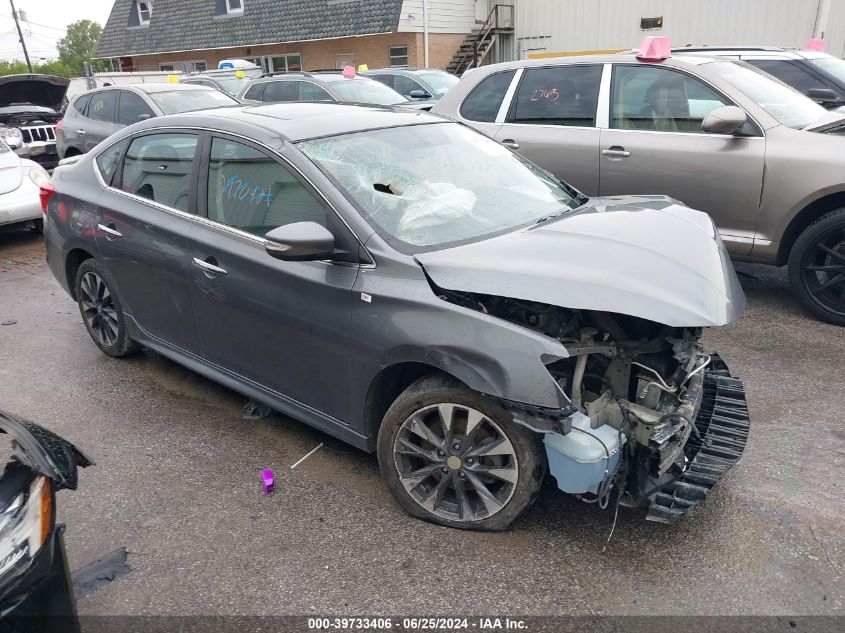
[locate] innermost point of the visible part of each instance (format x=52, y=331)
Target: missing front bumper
x=722, y=423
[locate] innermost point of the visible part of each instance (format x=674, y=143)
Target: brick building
x=285, y=34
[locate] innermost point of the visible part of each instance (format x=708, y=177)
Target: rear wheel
x=454, y=457
x=101, y=309
x=817, y=267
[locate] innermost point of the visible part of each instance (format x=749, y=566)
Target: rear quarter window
x=108, y=161
x=483, y=103
x=80, y=103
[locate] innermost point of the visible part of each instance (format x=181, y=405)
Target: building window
x=166, y=67
x=234, y=6
x=291, y=62
x=145, y=11
x=398, y=56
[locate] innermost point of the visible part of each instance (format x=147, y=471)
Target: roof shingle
x=183, y=25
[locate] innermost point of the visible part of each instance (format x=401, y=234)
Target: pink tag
x=349, y=71
x=817, y=44
x=655, y=48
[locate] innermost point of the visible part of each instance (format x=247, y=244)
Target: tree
x=79, y=44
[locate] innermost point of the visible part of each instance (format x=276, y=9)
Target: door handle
x=509, y=142
x=82, y=132
x=207, y=267
x=110, y=230
x=616, y=152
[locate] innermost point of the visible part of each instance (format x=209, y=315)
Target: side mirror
x=300, y=241
x=419, y=94
x=143, y=117
x=724, y=120
x=822, y=95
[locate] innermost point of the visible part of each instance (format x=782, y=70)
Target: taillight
x=59, y=125
x=45, y=192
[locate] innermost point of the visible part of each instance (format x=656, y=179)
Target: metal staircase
x=478, y=44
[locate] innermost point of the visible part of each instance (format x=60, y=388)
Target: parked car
x=20, y=179
x=763, y=160
x=320, y=86
x=818, y=75
x=427, y=84
x=36, y=592
x=229, y=83
x=411, y=287
x=95, y=115
x=30, y=105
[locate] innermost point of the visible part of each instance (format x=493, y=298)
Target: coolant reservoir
x=580, y=459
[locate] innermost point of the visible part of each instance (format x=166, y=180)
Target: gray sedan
x=763, y=160
x=413, y=288
x=93, y=116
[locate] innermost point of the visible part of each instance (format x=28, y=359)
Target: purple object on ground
x=267, y=476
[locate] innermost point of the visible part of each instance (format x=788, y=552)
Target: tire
x=817, y=267
x=37, y=226
x=436, y=474
x=101, y=309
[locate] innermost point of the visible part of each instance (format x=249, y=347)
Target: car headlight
x=39, y=177
x=12, y=133
x=25, y=524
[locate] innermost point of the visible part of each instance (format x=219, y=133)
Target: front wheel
x=817, y=267
x=101, y=309
x=454, y=457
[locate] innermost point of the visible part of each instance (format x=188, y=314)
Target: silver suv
x=765, y=161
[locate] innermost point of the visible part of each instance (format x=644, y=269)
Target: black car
x=416, y=289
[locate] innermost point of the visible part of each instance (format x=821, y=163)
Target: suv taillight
x=45, y=192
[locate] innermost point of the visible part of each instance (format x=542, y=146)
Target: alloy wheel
x=455, y=462
x=98, y=309
x=823, y=270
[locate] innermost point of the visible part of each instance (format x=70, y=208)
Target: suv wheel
x=817, y=267
x=101, y=309
x=454, y=457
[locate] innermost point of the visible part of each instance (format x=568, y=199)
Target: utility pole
x=20, y=34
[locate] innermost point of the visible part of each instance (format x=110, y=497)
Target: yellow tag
x=362, y=68
x=240, y=74
x=172, y=79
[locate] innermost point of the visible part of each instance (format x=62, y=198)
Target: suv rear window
x=484, y=101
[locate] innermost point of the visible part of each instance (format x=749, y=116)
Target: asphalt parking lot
x=177, y=482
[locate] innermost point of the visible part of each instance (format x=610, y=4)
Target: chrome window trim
x=707, y=83
x=502, y=114
x=211, y=223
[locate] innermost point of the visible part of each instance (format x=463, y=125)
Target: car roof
x=153, y=87
x=685, y=60
x=298, y=121
x=755, y=51
x=318, y=77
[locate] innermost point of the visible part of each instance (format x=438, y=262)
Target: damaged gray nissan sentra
x=414, y=288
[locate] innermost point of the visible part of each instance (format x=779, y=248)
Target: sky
x=46, y=24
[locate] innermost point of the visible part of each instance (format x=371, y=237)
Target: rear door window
x=159, y=167
x=559, y=95
x=280, y=91
x=131, y=107
x=102, y=106
x=109, y=159
x=255, y=92
x=404, y=85
x=387, y=80
x=81, y=103
x=483, y=103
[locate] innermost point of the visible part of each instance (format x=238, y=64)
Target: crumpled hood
x=645, y=256
x=11, y=174
x=41, y=90
x=45, y=452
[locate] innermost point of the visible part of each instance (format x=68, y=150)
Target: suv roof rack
x=286, y=72
x=704, y=49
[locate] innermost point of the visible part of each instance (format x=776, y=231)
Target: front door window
x=658, y=99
